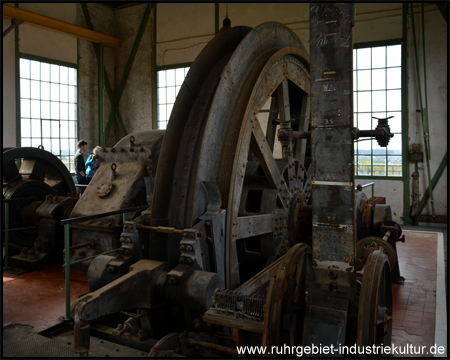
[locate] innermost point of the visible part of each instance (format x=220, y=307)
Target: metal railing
x=67, y=263
x=360, y=187
x=7, y=229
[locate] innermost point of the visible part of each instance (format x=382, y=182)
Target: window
x=169, y=83
x=48, y=108
x=377, y=80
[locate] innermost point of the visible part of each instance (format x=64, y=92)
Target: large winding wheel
x=41, y=173
x=217, y=133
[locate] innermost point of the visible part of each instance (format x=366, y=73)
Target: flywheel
x=223, y=130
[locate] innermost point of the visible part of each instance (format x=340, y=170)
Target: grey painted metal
x=333, y=204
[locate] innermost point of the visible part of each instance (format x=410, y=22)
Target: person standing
x=90, y=167
x=80, y=167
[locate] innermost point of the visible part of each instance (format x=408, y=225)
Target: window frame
x=157, y=87
x=49, y=61
x=403, y=112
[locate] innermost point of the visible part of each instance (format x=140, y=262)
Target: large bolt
x=181, y=260
x=333, y=286
x=189, y=261
x=189, y=248
x=333, y=275
x=182, y=247
x=172, y=281
x=110, y=270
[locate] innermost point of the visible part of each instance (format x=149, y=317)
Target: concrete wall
x=136, y=103
x=102, y=19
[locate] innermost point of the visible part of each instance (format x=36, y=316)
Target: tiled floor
x=414, y=304
x=38, y=298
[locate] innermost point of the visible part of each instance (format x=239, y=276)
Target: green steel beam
x=154, y=72
x=216, y=8
x=14, y=24
x=434, y=181
x=17, y=85
x=423, y=111
x=405, y=120
x=101, y=95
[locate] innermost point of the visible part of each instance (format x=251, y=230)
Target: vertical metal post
x=6, y=264
x=333, y=177
x=125, y=217
x=101, y=95
x=67, y=270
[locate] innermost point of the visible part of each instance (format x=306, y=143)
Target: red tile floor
x=414, y=303
x=38, y=298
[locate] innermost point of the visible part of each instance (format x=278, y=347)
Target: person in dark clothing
x=80, y=167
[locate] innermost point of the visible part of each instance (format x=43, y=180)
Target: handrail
x=67, y=263
x=96, y=216
x=366, y=185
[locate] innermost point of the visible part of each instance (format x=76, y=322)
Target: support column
x=333, y=177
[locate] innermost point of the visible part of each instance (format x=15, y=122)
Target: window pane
x=161, y=78
x=55, y=129
x=364, y=82
x=162, y=125
x=379, y=79
x=45, y=91
x=35, y=70
x=64, y=93
x=46, y=128
x=364, y=121
x=72, y=112
x=170, y=77
x=394, y=78
x=26, y=142
x=396, y=122
x=35, y=142
x=363, y=58
x=72, y=76
x=24, y=88
x=72, y=94
x=64, y=111
x=36, y=127
x=179, y=76
x=169, y=110
x=24, y=108
x=54, y=92
x=379, y=101
x=378, y=152
x=162, y=95
x=394, y=101
x=35, y=89
x=395, y=145
x=395, y=165
x=25, y=127
x=54, y=73
x=364, y=165
x=64, y=146
x=72, y=129
x=46, y=143
x=64, y=75
x=177, y=90
x=45, y=72
x=55, y=146
x=161, y=112
x=73, y=147
x=171, y=95
x=364, y=101
x=394, y=55
x=35, y=109
x=378, y=57
x=24, y=68
x=54, y=110
x=45, y=109
x=64, y=129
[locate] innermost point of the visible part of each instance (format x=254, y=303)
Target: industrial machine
x=39, y=193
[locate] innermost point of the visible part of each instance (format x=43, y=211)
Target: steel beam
x=14, y=23
x=45, y=22
x=333, y=175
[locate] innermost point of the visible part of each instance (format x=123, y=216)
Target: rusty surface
x=374, y=200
